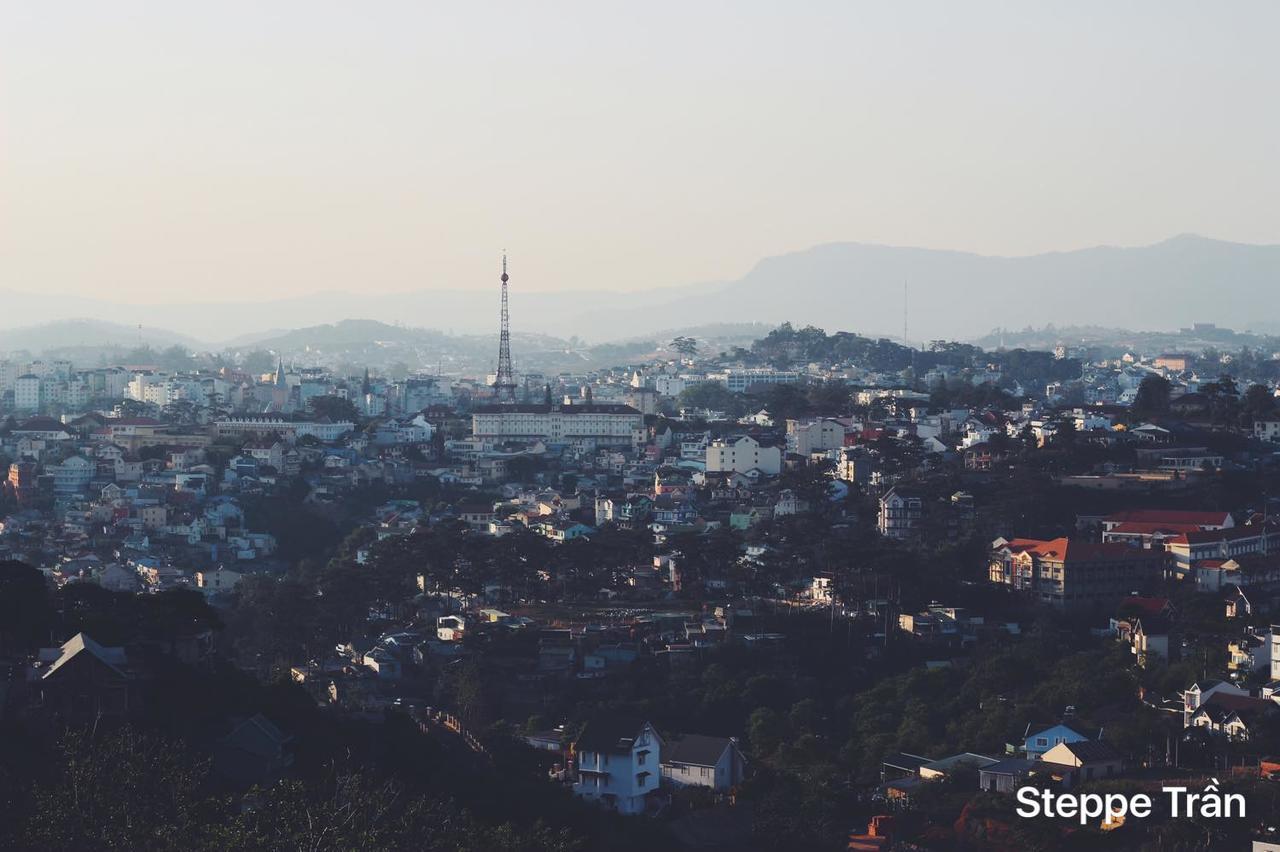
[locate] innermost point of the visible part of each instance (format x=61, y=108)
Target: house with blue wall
x=1040, y=738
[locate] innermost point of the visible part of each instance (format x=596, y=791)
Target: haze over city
x=232, y=152
x=709, y=426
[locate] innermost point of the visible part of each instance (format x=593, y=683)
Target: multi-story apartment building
x=670, y=385
x=26, y=392
x=267, y=424
x=597, y=423
x=1191, y=548
x=739, y=380
x=742, y=455
x=901, y=512
x=73, y=475
x=1145, y=527
x=855, y=464
x=9, y=372
x=812, y=436
x=1070, y=574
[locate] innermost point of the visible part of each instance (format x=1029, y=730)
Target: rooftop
x=697, y=750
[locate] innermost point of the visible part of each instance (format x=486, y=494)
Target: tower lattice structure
x=504, y=384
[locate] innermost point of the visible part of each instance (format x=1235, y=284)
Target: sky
x=245, y=150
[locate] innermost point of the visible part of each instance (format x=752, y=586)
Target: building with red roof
x=1193, y=550
x=1170, y=517
x=1072, y=574
x=1150, y=528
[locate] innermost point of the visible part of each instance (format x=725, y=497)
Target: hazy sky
x=239, y=149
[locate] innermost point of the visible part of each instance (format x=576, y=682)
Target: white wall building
x=742, y=455
x=619, y=763
x=605, y=424
x=697, y=761
x=669, y=385
x=265, y=424
x=813, y=436
x=739, y=380
x=73, y=475
x=26, y=393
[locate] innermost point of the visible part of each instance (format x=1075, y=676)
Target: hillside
x=84, y=334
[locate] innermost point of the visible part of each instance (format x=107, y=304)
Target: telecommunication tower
x=504, y=384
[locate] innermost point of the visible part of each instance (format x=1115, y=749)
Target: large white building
x=601, y=424
x=742, y=455
x=162, y=389
x=267, y=424
x=812, y=436
x=669, y=385
x=739, y=380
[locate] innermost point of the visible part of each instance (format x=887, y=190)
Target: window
x=640, y=758
x=1042, y=741
x=706, y=772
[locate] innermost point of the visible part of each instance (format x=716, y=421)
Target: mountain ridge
x=852, y=285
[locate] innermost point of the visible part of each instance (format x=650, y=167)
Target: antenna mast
x=504, y=384
x=904, y=314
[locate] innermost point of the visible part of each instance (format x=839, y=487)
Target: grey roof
x=1093, y=751
x=906, y=761
x=610, y=735
x=112, y=658
x=697, y=750
x=956, y=761
x=1011, y=766
x=1017, y=766
x=256, y=735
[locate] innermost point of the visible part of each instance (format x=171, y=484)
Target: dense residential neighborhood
x=812, y=591
x=639, y=427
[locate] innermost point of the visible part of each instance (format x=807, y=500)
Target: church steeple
x=280, y=379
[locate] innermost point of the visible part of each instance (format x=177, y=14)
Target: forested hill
x=787, y=346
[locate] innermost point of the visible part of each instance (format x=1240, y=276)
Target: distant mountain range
x=955, y=295
x=848, y=286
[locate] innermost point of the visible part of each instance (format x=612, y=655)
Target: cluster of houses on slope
x=621, y=762
x=126, y=524
x=1063, y=754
